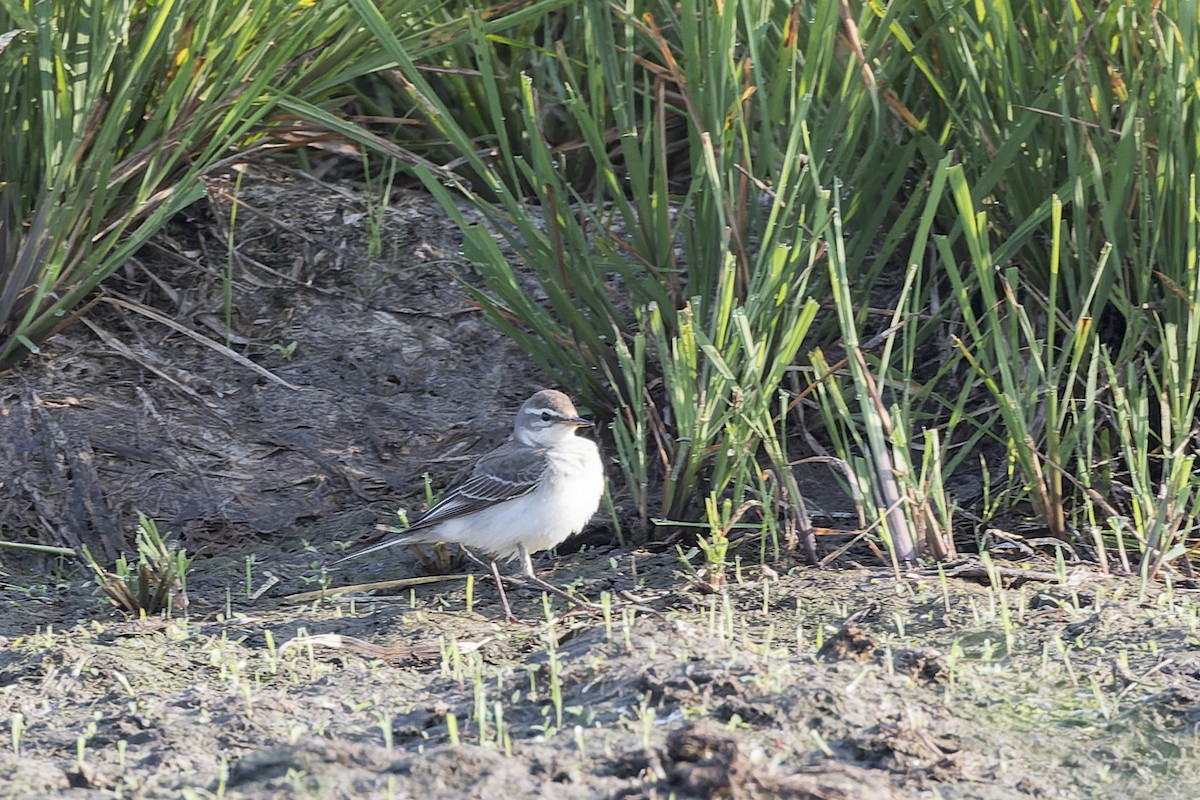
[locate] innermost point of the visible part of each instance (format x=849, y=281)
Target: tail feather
x=408, y=537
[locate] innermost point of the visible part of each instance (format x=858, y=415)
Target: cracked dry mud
x=793, y=683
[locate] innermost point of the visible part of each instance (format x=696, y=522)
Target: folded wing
x=504, y=474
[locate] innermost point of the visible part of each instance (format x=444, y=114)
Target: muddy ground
x=1029, y=681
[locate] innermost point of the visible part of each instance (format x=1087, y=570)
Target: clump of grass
x=121, y=111
x=656, y=307
x=157, y=581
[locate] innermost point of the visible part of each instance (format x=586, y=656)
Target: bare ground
x=794, y=682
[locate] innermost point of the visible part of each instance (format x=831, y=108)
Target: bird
x=528, y=495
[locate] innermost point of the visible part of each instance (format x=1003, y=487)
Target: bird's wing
x=506, y=473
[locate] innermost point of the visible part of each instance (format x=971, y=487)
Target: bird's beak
x=579, y=422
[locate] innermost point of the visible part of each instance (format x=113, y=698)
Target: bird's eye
x=546, y=416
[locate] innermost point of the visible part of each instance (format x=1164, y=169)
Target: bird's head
x=546, y=419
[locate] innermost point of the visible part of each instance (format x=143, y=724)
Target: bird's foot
x=578, y=605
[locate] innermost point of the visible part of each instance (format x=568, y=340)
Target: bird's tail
x=406, y=537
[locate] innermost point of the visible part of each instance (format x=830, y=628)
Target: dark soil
x=793, y=682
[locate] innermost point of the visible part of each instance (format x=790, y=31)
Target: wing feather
x=508, y=472
x=504, y=474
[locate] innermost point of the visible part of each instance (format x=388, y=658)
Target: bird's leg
x=531, y=576
x=508, y=614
